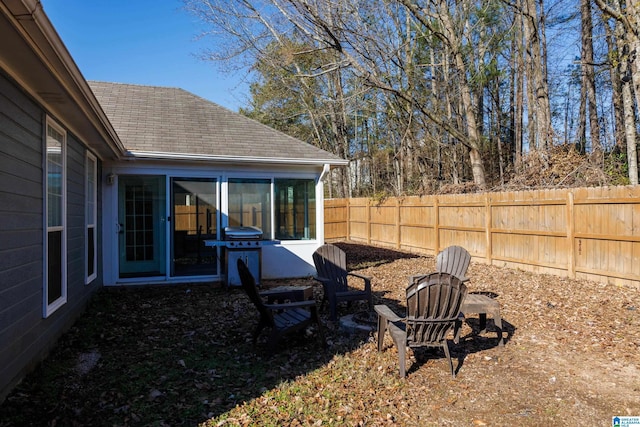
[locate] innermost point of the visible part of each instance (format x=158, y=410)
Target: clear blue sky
x=148, y=42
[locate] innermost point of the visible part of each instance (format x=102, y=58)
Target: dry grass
x=182, y=356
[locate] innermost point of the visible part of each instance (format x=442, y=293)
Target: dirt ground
x=572, y=352
x=163, y=356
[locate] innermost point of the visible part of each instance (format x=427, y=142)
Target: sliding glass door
x=194, y=221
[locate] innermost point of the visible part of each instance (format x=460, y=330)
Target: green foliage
x=616, y=168
x=280, y=98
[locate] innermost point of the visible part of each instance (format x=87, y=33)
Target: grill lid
x=242, y=233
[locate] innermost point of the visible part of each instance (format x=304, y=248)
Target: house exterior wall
x=25, y=335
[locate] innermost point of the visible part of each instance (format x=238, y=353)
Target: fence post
x=368, y=207
x=348, y=218
x=398, y=228
x=487, y=224
x=571, y=267
x=436, y=226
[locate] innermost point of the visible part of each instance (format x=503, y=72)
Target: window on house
x=55, y=288
x=250, y=204
x=295, y=209
x=91, y=192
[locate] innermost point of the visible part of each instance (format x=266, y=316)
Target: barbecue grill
x=245, y=243
x=236, y=237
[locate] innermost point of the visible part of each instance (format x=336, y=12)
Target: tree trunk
x=533, y=125
x=589, y=79
x=581, y=132
x=630, y=133
x=535, y=40
x=517, y=98
x=616, y=90
x=627, y=35
x=498, y=128
x=629, y=119
x=477, y=166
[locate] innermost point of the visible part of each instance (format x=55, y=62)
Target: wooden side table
x=281, y=294
x=483, y=305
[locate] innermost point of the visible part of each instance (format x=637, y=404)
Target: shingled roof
x=166, y=122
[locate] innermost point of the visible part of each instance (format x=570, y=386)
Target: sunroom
x=193, y=173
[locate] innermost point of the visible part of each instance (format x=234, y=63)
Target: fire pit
x=368, y=318
x=364, y=321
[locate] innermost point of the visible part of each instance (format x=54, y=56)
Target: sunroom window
x=295, y=209
x=250, y=204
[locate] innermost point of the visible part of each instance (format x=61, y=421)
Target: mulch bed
x=182, y=355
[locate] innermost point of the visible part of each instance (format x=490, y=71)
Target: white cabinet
x=250, y=257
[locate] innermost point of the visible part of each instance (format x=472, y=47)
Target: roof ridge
x=133, y=84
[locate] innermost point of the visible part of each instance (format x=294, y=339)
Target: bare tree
x=627, y=13
x=541, y=133
x=588, y=80
x=363, y=34
x=627, y=34
x=517, y=91
x=420, y=92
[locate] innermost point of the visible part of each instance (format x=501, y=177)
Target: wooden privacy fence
x=590, y=233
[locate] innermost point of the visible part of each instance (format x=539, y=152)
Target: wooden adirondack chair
x=433, y=304
x=281, y=318
x=331, y=266
x=454, y=260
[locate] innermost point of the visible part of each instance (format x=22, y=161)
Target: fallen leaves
x=183, y=356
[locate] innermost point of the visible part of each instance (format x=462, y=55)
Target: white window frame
x=91, y=216
x=50, y=308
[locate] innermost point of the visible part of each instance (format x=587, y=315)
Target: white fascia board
x=232, y=159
